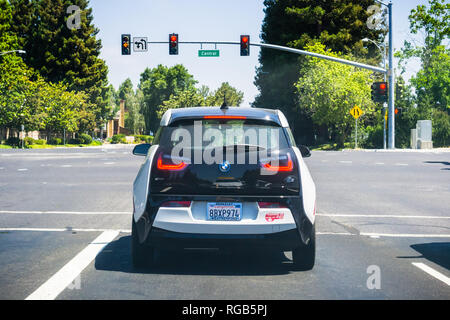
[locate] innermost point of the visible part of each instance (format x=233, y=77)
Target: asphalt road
x=383, y=232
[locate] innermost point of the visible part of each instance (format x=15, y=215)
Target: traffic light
x=398, y=111
x=173, y=44
x=126, y=42
x=245, y=45
x=379, y=92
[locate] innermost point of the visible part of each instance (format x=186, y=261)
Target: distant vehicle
x=260, y=196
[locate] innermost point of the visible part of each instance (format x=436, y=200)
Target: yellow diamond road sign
x=356, y=112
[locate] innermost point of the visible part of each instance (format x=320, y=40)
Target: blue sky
x=199, y=20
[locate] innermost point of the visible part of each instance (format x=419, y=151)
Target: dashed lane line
x=379, y=216
x=432, y=272
x=65, y=212
x=404, y=235
x=63, y=230
x=67, y=274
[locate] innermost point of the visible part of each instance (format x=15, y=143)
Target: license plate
x=223, y=211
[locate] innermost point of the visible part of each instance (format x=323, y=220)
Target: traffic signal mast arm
x=288, y=49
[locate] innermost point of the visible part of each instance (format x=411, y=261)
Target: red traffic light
x=245, y=43
x=383, y=86
x=173, y=44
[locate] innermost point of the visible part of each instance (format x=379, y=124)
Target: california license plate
x=223, y=211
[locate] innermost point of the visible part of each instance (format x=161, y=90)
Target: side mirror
x=304, y=150
x=141, y=149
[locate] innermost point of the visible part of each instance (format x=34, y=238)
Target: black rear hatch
x=224, y=156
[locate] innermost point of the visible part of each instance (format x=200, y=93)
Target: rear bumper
x=256, y=230
x=287, y=240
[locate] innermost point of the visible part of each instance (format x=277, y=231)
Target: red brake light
x=171, y=167
x=288, y=166
x=270, y=205
x=176, y=204
x=225, y=117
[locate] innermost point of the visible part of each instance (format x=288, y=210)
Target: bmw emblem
x=225, y=166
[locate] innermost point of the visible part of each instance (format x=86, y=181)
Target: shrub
x=28, y=141
x=85, y=138
x=13, y=142
x=96, y=143
x=143, y=139
x=75, y=141
x=118, y=138
x=55, y=141
x=40, y=142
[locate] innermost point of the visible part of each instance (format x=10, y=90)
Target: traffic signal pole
x=391, y=115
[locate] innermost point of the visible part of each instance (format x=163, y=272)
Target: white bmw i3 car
x=224, y=178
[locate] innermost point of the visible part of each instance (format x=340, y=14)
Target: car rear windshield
x=212, y=133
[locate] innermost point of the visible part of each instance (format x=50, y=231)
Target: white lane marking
x=350, y=162
x=404, y=235
x=109, y=163
x=63, y=230
x=372, y=235
x=401, y=164
x=65, y=276
x=66, y=166
x=335, y=233
x=432, y=272
x=22, y=169
x=379, y=163
x=1, y=168
x=63, y=212
x=378, y=216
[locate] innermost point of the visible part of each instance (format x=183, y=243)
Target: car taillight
x=270, y=205
x=176, y=204
x=284, y=164
x=167, y=164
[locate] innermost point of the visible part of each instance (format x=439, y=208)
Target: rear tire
x=141, y=254
x=304, y=257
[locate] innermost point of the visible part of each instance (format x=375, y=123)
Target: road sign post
x=356, y=112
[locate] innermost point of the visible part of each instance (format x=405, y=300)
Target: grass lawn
x=331, y=147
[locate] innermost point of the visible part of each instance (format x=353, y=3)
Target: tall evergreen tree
x=340, y=25
x=62, y=54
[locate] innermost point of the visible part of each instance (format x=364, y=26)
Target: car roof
x=272, y=115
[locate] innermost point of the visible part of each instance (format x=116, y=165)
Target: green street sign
x=208, y=53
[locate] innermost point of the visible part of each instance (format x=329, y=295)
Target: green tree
x=157, y=85
x=340, y=25
x=125, y=89
x=227, y=93
x=62, y=54
x=185, y=99
x=432, y=82
x=23, y=20
x=134, y=119
x=329, y=90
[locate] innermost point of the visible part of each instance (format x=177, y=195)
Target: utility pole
x=391, y=115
